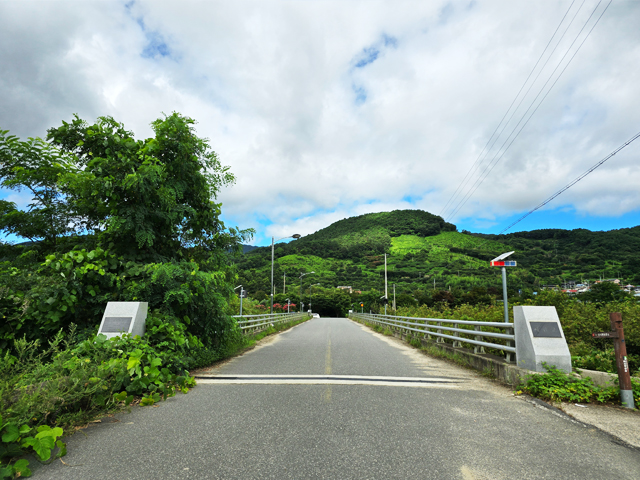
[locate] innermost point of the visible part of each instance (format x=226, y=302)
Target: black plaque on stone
x=116, y=324
x=545, y=329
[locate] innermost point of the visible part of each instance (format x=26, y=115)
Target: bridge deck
x=293, y=408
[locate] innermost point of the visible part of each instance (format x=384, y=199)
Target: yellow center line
x=327, y=370
x=327, y=362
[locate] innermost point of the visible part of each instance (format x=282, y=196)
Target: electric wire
x=489, y=168
x=572, y=183
x=473, y=168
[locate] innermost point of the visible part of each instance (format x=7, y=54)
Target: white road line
x=419, y=382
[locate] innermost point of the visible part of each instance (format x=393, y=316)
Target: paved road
x=441, y=422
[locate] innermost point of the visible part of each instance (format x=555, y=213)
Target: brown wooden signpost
x=620, y=349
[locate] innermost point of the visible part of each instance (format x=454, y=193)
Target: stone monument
x=124, y=317
x=539, y=338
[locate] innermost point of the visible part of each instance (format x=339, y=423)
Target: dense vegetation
x=439, y=272
x=438, y=258
x=112, y=219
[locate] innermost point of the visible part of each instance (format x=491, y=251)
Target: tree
x=35, y=166
x=405, y=300
x=141, y=221
x=604, y=292
x=155, y=195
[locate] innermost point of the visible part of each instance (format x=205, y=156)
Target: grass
x=558, y=386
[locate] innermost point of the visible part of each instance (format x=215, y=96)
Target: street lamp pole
x=310, y=286
x=273, y=241
x=241, y=294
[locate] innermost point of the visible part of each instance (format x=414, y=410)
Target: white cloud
x=329, y=109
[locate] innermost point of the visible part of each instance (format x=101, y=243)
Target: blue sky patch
x=370, y=55
x=389, y=41
x=361, y=94
x=156, y=44
x=156, y=47
x=561, y=217
x=412, y=199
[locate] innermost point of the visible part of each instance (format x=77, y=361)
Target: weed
x=557, y=385
x=488, y=372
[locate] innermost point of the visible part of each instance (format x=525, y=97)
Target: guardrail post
x=478, y=348
x=439, y=339
x=509, y=357
x=457, y=343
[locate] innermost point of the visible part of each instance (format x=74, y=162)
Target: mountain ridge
x=423, y=250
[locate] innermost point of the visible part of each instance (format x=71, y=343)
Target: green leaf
x=11, y=435
x=133, y=363
x=46, y=431
x=6, y=472
x=21, y=468
x=146, y=401
x=42, y=446
x=62, y=448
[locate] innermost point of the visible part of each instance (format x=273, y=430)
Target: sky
x=474, y=110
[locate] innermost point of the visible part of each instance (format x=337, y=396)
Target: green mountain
x=424, y=252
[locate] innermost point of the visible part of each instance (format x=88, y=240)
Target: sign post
x=620, y=349
x=499, y=262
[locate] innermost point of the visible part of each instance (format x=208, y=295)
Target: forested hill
x=423, y=251
x=394, y=224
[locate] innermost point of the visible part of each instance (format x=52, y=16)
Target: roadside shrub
x=556, y=385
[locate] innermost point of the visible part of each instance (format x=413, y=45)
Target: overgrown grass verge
x=206, y=357
x=47, y=392
x=558, y=386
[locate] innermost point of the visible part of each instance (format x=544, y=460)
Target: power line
x=571, y=184
x=471, y=170
x=487, y=170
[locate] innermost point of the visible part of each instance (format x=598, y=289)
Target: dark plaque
x=116, y=324
x=605, y=335
x=545, y=329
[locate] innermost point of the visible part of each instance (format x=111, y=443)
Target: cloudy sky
x=329, y=109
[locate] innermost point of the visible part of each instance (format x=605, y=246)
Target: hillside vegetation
x=425, y=252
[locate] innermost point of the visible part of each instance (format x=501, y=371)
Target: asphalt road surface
x=331, y=399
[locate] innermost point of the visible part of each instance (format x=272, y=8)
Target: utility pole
x=386, y=297
x=394, y=298
x=284, y=283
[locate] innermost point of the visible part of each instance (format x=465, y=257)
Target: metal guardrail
x=256, y=323
x=436, y=326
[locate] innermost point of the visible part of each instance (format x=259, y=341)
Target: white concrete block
x=124, y=317
x=540, y=338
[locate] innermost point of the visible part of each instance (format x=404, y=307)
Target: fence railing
x=256, y=323
x=459, y=331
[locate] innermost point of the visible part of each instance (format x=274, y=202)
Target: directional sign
x=605, y=335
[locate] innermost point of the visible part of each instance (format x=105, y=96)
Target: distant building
x=345, y=287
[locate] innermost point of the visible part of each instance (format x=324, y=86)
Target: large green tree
x=155, y=196
x=115, y=219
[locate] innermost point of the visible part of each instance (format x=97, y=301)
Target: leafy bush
x=67, y=384
x=559, y=386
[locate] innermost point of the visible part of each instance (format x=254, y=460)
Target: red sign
x=503, y=263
